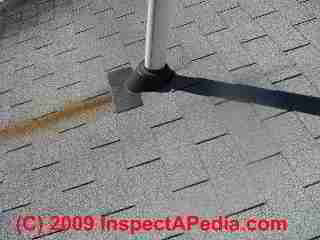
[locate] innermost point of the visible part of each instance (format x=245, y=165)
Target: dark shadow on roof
x=249, y=94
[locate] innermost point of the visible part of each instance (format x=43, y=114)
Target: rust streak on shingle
x=88, y=108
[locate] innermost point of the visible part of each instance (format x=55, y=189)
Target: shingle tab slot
x=109, y=35
x=287, y=78
x=276, y=115
x=65, y=51
x=312, y=184
x=79, y=186
x=118, y=67
x=247, y=209
x=104, y=10
x=118, y=211
x=243, y=66
x=90, y=59
x=23, y=68
x=16, y=207
x=185, y=24
x=96, y=96
x=295, y=48
x=68, y=85
x=43, y=46
x=265, y=158
x=203, y=57
x=84, y=30
x=191, y=185
x=212, y=139
x=195, y=4
x=5, y=91
x=104, y=145
x=144, y=163
x=168, y=122
x=255, y=38
x=306, y=21
x=315, y=238
x=72, y=128
x=266, y=14
x=19, y=148
x=43, y=76
x=21, y=103
x=45, y=166
x=229, y=9
x=173, y=236
x=125, y=15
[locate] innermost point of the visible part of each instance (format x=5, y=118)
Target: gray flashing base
x=123, y=99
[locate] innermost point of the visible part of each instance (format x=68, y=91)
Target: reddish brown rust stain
x=86, y=109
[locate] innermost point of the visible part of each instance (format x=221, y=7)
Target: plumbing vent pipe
x=153, y=73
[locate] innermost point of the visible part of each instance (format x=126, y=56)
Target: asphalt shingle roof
x=203, y=148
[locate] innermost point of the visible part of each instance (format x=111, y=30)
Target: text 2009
x=78, y=223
